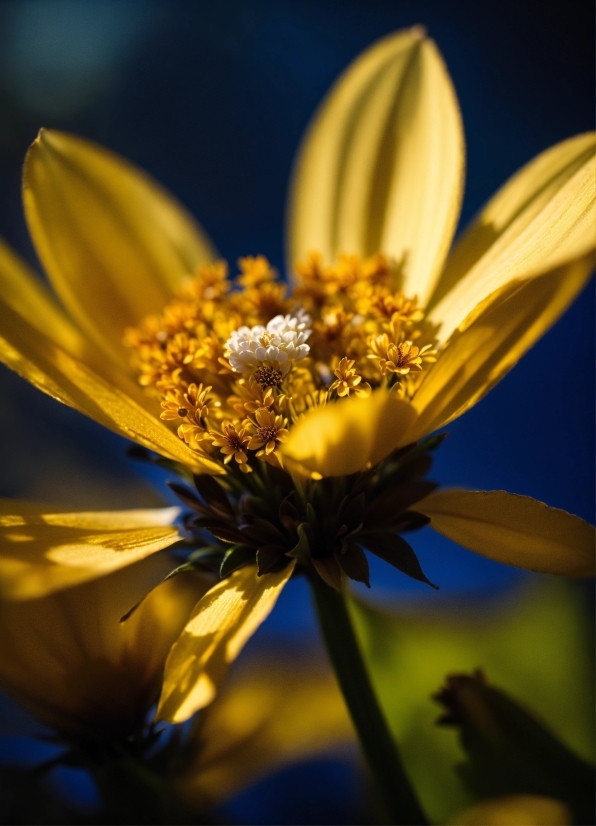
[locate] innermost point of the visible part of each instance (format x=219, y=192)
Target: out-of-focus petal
x=515, y=530
x=44, y=549
x=544, y=217
x=67, y=658
x=113, y=243
x=502, y=330
x=381, y=167
x=516, y=810
x=220, y=625
x=345, y=437
x=51, y=369
x=274, y=713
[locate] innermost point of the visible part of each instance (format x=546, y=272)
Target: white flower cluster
x=280, y=343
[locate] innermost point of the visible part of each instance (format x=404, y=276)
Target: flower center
x=235, y=362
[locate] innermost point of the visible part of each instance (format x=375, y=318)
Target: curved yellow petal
x=381, y=167
x=113, y=243
x=220, y=625
x=515, y=530
x=544, y=217
x=51, y=369
x=274, y=713
x=516, y=810
x=67, y=658
x=43, y=549
x=349, y=435
x=503, y=329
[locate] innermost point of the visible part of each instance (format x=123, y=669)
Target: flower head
x=268, y=388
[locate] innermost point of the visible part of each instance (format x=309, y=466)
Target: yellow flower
x=373, y=209
x=68, y=659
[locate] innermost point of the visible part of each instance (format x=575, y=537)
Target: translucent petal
x=381, y=166
x=274, y=713
x=220, y=625
x=45, y=549
x=515, y=530
x=67, y=658
x=343, y=438
x=501, y=331
x=113, y=243
x=544, y=217
x=51, y=369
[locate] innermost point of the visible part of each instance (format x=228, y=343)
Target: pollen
x=236, y=361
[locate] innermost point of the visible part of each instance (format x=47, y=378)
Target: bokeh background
x=212, y=99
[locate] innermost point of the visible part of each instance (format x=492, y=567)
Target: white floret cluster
x=280, y=343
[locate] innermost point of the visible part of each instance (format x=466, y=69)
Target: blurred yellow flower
x=68, y=660
x=245, y=372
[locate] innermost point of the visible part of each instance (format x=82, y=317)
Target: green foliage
x=534, y=645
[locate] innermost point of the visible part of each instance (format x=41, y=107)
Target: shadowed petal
x=51, y=369
x=72, y=664
x=381, y=167
x=515, y=530
x=503, y=329
x=113, y=243
x=543, y=217
x=275, y=713
x=44, y=549
x=345, y=437
x=220, y=625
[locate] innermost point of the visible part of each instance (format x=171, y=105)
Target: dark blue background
x=212, y=98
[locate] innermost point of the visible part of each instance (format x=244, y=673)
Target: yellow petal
x=44, y=549
x=543, y=217
x=503, y=329
x=515, y=530
x=24, y=292
x=381, y=167
x=67, y=658
x=274, y=713
x=53, y=370
x=345, y=437
x=516, y=810
x=220, y=625
x=113, y=243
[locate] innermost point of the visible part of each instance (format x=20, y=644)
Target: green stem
x=378, y=745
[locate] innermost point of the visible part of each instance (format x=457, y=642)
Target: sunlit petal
x=220, y=625
x=543, y=217
x=113, y=243
x=43, y=549
x=51, y=369
x=343, y=438
x=515, y=530
x=381, y=167
x=503, y=329
x=67, y=658
x=274, y=713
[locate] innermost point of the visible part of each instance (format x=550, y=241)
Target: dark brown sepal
x=188, y=498
x=262, y=532
x=328, y=569
x=212, y=493
x=269, y=558
x=235, y=558
x=288, y=513
x=354, y=563
x=395, y=550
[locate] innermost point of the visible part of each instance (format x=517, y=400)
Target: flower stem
x=378, y=745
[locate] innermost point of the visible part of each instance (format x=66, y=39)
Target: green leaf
x=397, y=552
x=509, y=751
x=535, y=645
